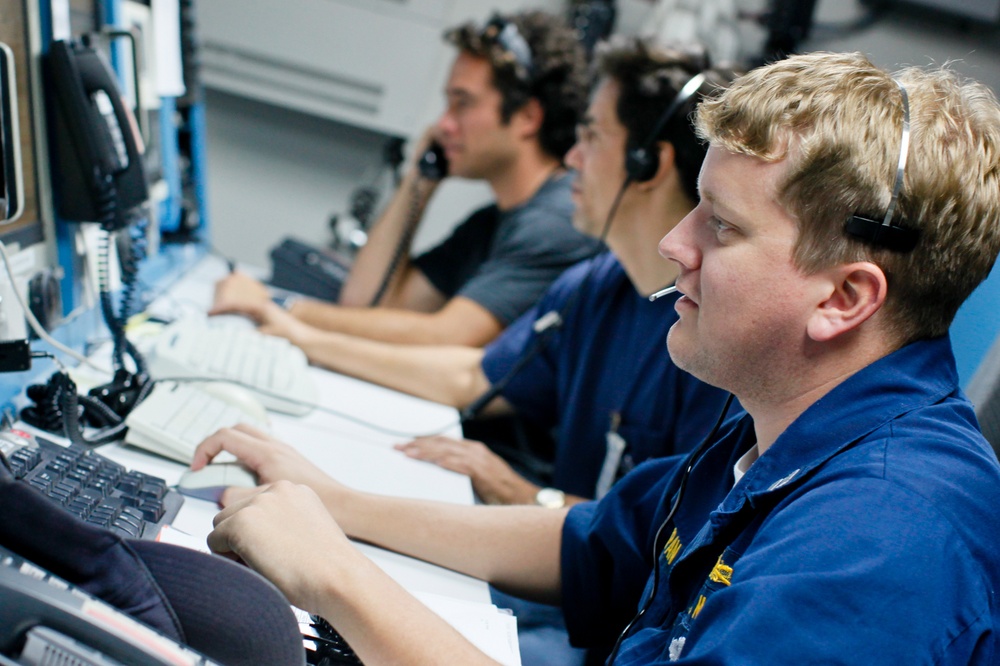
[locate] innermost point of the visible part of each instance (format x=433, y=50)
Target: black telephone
x=47, y=620
x=100, y=177
x=433, y=164
x=98, y=165
x=311, y=271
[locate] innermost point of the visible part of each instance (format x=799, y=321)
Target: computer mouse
x=208, y=482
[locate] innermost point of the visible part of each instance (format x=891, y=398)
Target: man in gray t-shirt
x=504, y=259
x=515, y=92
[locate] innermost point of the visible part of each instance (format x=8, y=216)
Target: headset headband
x=506, y=34
x=689, y=89
x=642, y=162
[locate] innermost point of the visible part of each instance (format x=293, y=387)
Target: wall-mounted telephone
x=433, y=164
x=11, y=179
x=98, y=168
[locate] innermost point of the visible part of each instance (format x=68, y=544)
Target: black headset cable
x=689, y=464
x=548, y=322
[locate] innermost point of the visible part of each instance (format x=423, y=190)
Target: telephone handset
x=116, y=159
x=98, y=149
x=433, y=164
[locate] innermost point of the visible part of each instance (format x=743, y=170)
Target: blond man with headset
x=849, y=515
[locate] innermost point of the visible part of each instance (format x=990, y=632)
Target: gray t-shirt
x=505, y=260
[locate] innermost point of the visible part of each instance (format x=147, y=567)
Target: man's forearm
x=401, y=214
x=383, y=623
x=383, y=324
x=451, y=375
x=516, y=548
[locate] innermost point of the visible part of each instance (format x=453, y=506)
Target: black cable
x=403, y=246
x=689, y=464
x=137, y=249
x=107, y=210
x=548, y=322
x=68, y=403
x=58, y=404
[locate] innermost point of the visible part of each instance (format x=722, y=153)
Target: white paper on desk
x=370, y=467
x=176, y=537
x=381, y=407
x=491, y=630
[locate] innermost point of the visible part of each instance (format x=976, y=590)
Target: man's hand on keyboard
x=241, y=294
x=274, y=320
x=285, y=533
x=267, y=457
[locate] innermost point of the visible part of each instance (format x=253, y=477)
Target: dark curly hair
x=556, y=75
x=649, y=78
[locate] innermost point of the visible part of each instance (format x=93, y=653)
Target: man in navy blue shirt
x=849, y=515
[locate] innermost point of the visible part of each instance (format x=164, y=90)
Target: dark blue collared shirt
x=608, y=356
x=867, y=533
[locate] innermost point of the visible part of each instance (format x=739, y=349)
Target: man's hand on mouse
x=267, y=457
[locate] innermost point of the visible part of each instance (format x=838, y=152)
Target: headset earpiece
x=889, y=236
x=642, y=162
x=886, y=234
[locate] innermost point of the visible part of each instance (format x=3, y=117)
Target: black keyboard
x=95, y=488
x=331, y=648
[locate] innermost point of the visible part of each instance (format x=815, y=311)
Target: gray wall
x=274, y=172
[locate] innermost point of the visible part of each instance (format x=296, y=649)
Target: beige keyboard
x=195, y=347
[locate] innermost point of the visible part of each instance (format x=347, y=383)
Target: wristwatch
x=550, y=498
x=285, y=301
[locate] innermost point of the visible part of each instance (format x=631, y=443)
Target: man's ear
x=528, y=119
x=855, y=292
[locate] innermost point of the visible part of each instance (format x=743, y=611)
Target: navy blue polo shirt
x=866, y=533
x=609, y=356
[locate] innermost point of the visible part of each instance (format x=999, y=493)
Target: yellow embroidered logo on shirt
x=721, y=573
x=697, y=607
x=673, y=547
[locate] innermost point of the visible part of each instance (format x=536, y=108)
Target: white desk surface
x=356, y=455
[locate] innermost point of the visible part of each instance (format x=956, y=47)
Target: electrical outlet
x=12, y=323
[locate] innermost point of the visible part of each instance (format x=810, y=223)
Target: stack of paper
x=492, y=630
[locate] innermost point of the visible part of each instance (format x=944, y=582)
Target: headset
x=506, y=35
x=642, y=162
x=885, y=234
